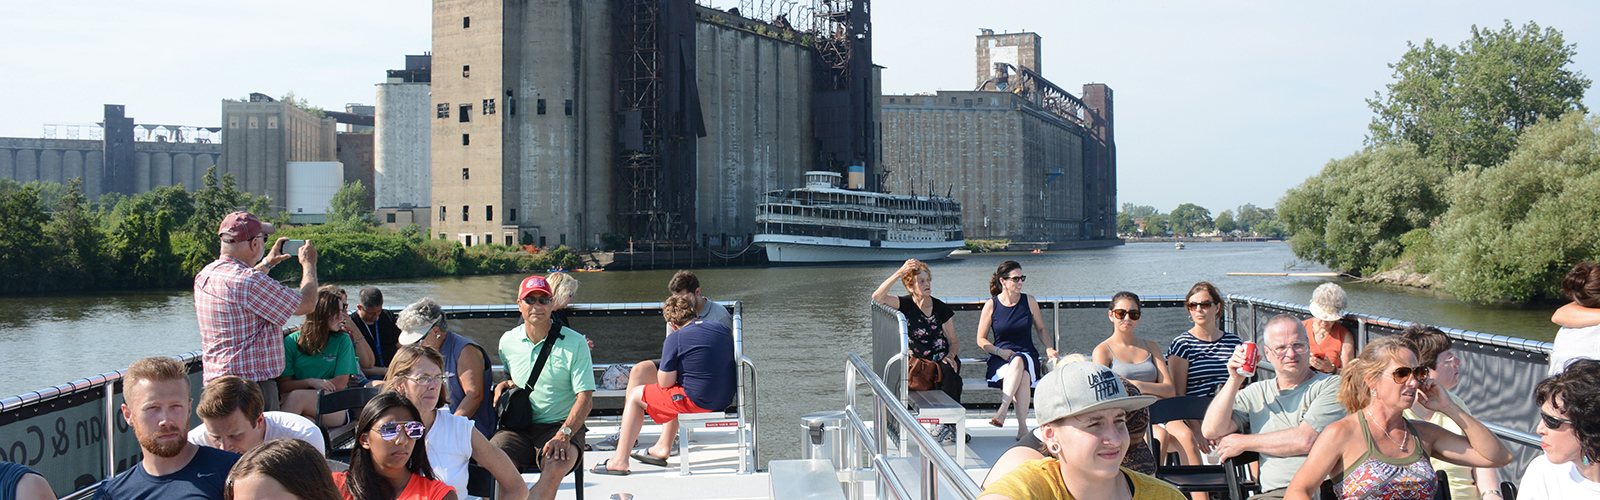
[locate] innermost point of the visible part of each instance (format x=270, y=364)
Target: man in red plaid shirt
x=242, y=310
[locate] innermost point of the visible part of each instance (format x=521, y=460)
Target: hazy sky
x=1217, y=103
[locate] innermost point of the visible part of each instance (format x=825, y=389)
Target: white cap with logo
x=1077, y=388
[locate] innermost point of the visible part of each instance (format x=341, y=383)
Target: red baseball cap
x=534, y=284
x=242, y=226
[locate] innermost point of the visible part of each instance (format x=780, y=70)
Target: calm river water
x=799, y=321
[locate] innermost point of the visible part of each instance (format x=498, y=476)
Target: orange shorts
x=663, y=405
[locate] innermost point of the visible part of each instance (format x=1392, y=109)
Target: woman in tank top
x=1132, y=358
x=417, y=373
x=1375, y=453
x=1013, y=362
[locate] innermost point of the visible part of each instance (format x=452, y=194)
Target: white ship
x=823, y=223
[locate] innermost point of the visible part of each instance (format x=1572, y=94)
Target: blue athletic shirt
x=202, y=479
x=702, y=354
x=1208, y=361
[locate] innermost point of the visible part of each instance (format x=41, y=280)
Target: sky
x=1217, y=103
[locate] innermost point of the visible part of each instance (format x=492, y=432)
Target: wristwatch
x=566, y=431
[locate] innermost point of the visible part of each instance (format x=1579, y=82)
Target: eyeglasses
x=1553, y=423
x=543, y=301
x=1442, y=361
x=1124, y=313
x=1405, y=372
x=1017, y=279
x=1290, y=349
x=429, y=379
x=391, y=430
x=1201, y=305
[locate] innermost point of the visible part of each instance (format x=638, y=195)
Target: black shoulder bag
x=514, y=411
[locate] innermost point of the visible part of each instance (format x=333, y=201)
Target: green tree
x=1225, y=222
x=1467, y=105
x=1189, y=219
x=303, y=104
x=21, y=249
x=75, y=234
x=1512, y=232
x=349, y=207
x=1350, y=217
x=1125, y=223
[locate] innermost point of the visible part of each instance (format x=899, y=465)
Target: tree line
x=1190, y=219
x=52, y=238
x=1481, y=169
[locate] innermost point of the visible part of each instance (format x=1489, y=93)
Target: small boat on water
x=822, y=222
x=1179, y=246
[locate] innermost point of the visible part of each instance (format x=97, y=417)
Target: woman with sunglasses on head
x=1436, y=353
x=1013, y=361
x=279, y=469
x=1569, y=433
x=1375, y=452
x=390, y=461
x=417, y=373
x=930, y=332
x=1198, y=362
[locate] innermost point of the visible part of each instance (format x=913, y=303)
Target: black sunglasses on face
x=1553, y=423
x=1017, y=279
x=543, y=301
x=1206, y=304
x=1124, y=313
x=1405, y=372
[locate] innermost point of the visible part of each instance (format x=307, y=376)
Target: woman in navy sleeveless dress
x=1013, y=317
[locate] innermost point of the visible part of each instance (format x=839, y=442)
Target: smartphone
x=292, y=247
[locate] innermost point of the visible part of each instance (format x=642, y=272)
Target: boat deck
x=714, y=461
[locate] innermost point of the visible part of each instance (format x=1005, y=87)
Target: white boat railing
x=934, y=465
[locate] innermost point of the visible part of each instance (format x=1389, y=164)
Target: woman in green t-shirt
x=319, y=358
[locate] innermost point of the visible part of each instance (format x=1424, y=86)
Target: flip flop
x=644, y=456
x=601, y=468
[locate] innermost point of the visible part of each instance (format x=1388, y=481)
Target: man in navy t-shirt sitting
x=156, y=405
x=697, y=375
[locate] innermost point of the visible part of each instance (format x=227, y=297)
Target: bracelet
x=1486, y=493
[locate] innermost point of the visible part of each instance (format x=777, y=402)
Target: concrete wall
x=401, y=159
x=260, y=138
x=466, y=71
x=991, y=153
x=60, y=160
x=755, y=93
x=1022, y=50
x=355, y=151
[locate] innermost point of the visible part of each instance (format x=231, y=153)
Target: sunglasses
x=1553, y=423
x=391, y=430
x=543, y=301
x=1201, y=305
x=1405, y=372
x=1124, y=313
x=1017, y=279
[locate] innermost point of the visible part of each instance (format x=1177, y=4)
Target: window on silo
x=464, y=210
x=466, y=113
x=466, y=139
x=466, y=22
x=466, y=71
x=444, y=110
x=464, y=175
x=541, y=106
x=441, y=219
x=569, y=107
x=488, y=213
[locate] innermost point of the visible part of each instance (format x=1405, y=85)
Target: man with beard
x=156, y=405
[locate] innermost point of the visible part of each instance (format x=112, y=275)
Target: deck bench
x=936, y=407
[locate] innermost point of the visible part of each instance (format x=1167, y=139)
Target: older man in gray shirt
x=1283, y=415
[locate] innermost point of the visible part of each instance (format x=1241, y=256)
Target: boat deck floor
x=714, y=461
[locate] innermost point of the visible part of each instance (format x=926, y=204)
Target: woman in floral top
x=930, y=332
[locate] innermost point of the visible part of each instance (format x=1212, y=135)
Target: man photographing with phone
x=241, y=310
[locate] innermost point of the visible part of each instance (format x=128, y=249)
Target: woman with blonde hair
x=1331, y=344
x=319, y=358
x=1376, y=387
x=930, y=329
x=417, y=373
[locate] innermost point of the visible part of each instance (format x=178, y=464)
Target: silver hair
x=422, y=312
x=1330, y=296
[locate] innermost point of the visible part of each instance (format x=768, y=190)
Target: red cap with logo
x=534, y=284
x=242, y=226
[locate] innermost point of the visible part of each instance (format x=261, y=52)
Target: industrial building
x=262, y=135
x=1029, y=161
x=402, y=187
x=116, y=155
x=659, y=120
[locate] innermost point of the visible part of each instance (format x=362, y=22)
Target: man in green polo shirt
x=561, y=397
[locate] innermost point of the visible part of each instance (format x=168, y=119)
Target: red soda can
x=1252, y=356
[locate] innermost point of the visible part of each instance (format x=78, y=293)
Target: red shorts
x=666, y=404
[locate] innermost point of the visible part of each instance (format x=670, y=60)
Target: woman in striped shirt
x=1198, y=360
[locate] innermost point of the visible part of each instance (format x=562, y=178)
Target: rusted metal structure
x=845, y=87
x=658, y=112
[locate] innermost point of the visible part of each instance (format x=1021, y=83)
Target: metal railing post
x=1058, y=324
x=111, y=428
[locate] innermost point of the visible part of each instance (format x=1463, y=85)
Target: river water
x=799, y=321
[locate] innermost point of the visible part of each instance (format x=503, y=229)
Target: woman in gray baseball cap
x=1085, y=410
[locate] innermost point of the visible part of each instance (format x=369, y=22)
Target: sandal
x=644, y=456
x=997, y=423
x=601, y=468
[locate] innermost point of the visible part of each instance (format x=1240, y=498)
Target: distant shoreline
x=1201, y=239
